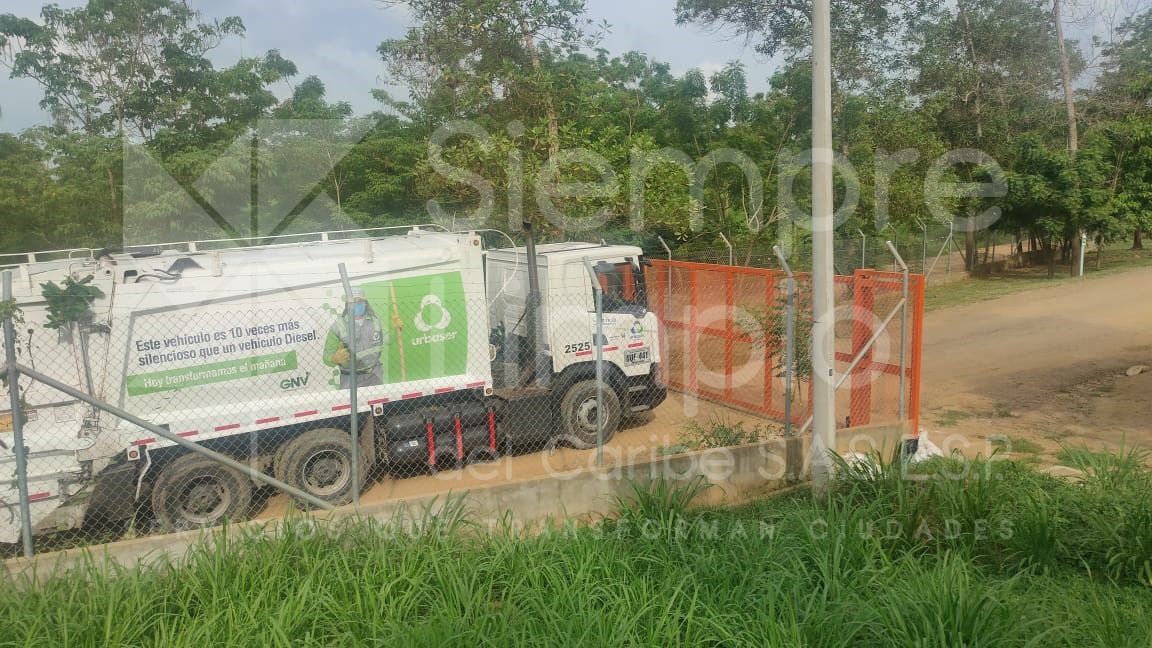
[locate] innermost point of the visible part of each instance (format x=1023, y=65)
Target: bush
x=722, y=432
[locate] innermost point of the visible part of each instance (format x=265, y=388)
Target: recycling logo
x=637, y=329
x=445, y=317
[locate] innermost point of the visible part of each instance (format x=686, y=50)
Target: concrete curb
x=737, y=474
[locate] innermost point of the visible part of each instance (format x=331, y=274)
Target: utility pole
x=823, y=358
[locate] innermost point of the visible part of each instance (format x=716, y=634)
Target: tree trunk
x=1073, y=134
x=970, y=243
x=1138, y=238
x=976, y=104
x=549, y=107
x=1069, y=100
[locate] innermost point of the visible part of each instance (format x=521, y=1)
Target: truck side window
x=623, y=288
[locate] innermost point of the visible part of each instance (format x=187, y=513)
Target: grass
x=950, y=553
x=1104, y=388
x=720, y=431
x=1016, y=445
x=951, y=417
x=968, y=291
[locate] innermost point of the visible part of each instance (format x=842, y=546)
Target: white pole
x=903, y=330
x=19, y=451
x=599, y=294
x=823, y=358
x=789, y=341
x=1083, y=245
x=354, y=420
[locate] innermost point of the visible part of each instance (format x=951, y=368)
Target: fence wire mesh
x=725, y=337
x=463, y=376
x=934, y=251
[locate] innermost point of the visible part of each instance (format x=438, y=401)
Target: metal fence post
x=863, y=249
x=17, y=421
x=353, y=378
x=903, y=331
x=599, y=343
x=923, y=247
x=948, y=243
x=789, y=341
x=667, y=286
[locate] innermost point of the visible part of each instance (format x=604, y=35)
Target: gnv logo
x=295, y=383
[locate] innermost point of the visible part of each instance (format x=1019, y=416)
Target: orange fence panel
x=715, y=345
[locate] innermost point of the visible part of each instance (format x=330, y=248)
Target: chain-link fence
x=934, y=250
x=176, y=389
x=726, y=335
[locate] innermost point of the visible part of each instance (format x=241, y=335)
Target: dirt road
x=1046, y=366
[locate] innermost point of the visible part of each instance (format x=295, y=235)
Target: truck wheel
x=193, y=491
x=319, y=462
x=578, y=412
x=280, y=460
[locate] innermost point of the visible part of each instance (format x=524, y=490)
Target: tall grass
x=948, y=553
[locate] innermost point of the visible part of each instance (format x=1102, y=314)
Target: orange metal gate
x=712, y=315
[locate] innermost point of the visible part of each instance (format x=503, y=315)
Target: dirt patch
x=1046, y=365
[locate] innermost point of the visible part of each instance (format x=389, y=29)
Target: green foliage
x=911, y=75
x=720, y=431
x=876, y=564
x=10, y=310
x=136, y=66
x=71, y=303
x=767, y=328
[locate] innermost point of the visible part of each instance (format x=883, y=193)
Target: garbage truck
x=456, y=349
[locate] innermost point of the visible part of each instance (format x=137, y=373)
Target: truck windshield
x=623, y=287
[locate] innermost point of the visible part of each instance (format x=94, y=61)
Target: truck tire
x=578, y=414
x=280, y=460
x=319, y=462
x=193, y=491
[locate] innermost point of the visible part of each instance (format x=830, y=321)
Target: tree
x=1125, y=81
x=986, y=69
x=132, y=66
x=1125, y=98
x=865, y=33
x=138, y=69
x=25, y=184
x=461, y=56
x=462, y=59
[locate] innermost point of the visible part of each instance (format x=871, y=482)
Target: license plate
x=640, y=356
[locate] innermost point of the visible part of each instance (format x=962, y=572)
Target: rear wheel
x=578, y=411
x=280, y=460
x=319, y=462
x=193, y=491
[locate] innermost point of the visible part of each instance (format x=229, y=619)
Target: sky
x=336, y=40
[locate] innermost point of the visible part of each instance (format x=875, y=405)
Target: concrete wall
x=737, y=475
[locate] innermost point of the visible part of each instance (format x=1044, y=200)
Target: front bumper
x=644, y=392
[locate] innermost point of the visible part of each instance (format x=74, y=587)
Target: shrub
x=722, y=432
